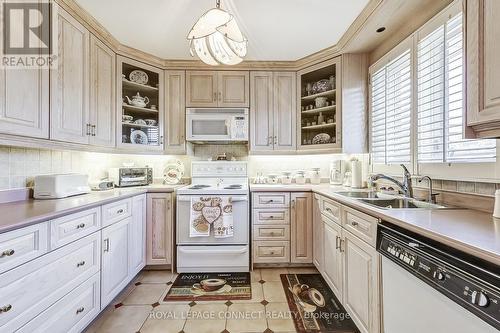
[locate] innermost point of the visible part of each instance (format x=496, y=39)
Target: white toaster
x=60, y=185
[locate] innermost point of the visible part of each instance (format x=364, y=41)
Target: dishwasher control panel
x=443, y=274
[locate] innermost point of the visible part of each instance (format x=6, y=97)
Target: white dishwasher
x=428, y=287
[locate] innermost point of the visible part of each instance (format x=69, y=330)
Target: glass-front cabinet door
x=318, y=122
x=141, y=106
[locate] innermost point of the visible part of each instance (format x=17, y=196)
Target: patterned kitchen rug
x=210, y=287
x=313, y=305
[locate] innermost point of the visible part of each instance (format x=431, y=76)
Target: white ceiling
x=276, y=29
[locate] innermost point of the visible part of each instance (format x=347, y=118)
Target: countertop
x=471, y=231
x=19, y=214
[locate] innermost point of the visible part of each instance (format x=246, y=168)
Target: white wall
x=18, y=166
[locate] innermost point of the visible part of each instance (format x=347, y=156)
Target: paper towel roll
x=357, y=178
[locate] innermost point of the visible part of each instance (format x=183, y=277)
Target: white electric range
x=210, y=254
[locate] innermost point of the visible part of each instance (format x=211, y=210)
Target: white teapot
x=138, y=100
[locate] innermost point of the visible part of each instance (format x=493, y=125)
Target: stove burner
x=233, y=187
x=198, y=187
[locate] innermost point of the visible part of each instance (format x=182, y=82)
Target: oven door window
x=210, y=127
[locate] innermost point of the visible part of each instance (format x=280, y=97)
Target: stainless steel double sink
x=386, y=201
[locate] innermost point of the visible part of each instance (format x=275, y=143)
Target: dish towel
x=208, y=211
x=223, y=226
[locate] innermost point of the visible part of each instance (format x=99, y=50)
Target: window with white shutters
x=440, y=93
x=391, y=111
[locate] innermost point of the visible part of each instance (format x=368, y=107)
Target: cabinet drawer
x=360, y=224
x=69, y=228
x=72, y=313
x=270, y=199
x=116, y=211
x=31, y=288
x=331, y=209
x=271, y=232
x=271, y=251
x=271, y=216
x=20, y=246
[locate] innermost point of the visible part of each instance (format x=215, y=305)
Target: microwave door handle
x=228, y=126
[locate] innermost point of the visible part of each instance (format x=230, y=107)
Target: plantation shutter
x=391, y=111
x=440, y=99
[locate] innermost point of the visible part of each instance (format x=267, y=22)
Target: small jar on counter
x=316, y=176
x=272, y=179
x=286, y=177
x=300, y=177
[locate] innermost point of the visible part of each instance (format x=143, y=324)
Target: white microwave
x=217, y=125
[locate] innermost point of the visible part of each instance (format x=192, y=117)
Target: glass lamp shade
x=208, y=23
x=216, y=39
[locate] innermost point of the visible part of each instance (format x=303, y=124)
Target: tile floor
x=141, y=308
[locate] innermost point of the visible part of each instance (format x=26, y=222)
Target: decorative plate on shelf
x=138, y=137
x=138, y=76
x=173, y=171
x=321, y=139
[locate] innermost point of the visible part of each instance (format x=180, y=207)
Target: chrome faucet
x=405, y=186
x=430, y=198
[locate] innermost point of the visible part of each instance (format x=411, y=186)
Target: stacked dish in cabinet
x=318, y=106
x=141, y=101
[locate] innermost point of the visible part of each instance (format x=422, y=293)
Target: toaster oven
x=125, y=177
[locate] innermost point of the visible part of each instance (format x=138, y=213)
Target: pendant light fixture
x=216, y=38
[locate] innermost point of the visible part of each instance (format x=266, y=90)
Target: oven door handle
x=233, y=199
x=240, y=251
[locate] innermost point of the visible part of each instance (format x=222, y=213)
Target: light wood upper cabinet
x=159, y=241
x=102, y=94
x=344, y=116
x=201, y=89
x=217, y=89
x=333, y=261
x=175, y=92
x=361, y=283
x=69, y=89
x=151, y=94
x=261, y=111
x=272, y=111
x=301, y=248
x=483, y=68
x=24, y=102
x=233, y=89
x=284, y=107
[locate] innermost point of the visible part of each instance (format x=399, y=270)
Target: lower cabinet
x=282, y=227
x=59, y=281
x=159, y=231
x=137, y=236
x=351, y=264
x=318, y=231
x=29, y=289
x=361, y=282
x=72, y=313
x=333, y=261
x=115, y=267
x=301, y=249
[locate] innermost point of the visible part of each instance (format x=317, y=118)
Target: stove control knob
x=438, y=275
x=479, y=298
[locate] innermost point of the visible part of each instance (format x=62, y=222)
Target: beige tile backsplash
x=18, y=166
